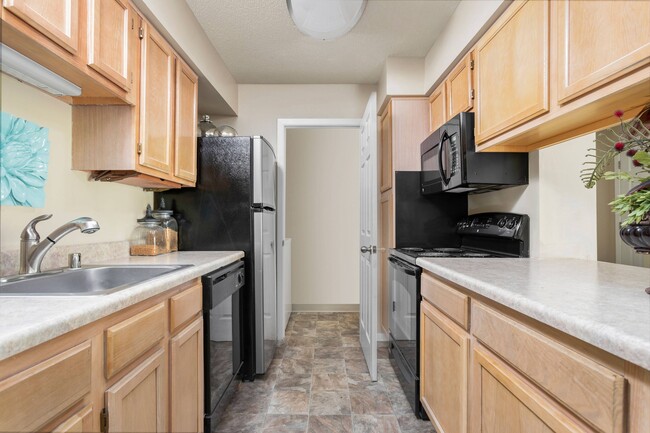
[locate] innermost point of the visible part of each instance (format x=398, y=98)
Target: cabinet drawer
x=131, y=338
x=80, y=421
x=447, y=299
x=593, y=392
x=35, y=396
x=184, y=306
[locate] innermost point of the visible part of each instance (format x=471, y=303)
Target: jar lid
x=161, y=211
x=148, y=217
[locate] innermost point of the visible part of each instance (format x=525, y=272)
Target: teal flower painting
x=24, y=155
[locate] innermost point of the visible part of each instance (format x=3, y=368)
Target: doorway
x=323, y=218
x=320, y=151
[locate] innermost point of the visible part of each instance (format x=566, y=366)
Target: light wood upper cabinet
x=186, y=379
x=56, y=19
x=444, y=352
x=459, y=87
x=137, y=402
x=187, y=86
x=156, y=102
x=598, y=42
x=504, y=403
x=437, y=107
x=512, y=69
x=108, y=40
x=386, y=154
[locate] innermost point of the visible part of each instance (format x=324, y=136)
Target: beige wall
x=561, y=209
x=68, y=194
x=323, y=214
x=401, y=76
x=261, y=105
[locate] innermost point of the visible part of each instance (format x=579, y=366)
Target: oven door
x=403, y=319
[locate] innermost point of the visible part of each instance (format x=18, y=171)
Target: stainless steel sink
x=92, y=280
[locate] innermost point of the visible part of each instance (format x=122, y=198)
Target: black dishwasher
x=221, y=339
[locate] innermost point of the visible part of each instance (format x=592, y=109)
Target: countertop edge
x=13, y=343
x=604, y=337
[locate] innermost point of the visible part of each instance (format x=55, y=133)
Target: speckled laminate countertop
x=603, y=304
x=26, y=321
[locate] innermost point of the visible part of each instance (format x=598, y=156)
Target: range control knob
x=511, y=223
x=502, y=222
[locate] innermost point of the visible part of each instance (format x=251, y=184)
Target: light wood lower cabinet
x=81, y=421
x=154, y=383
x=443, y=370
x=186, y=379
x=386, y=241
x=511, y=374
x=137, y=402
x=503, y=403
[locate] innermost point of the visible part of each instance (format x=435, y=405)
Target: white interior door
x=368, y=253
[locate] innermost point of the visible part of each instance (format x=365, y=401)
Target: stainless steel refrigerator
x=233, y=208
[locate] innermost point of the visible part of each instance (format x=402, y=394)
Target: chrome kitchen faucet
x=32, y=250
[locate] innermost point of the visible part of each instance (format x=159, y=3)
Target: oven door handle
x=407, y=270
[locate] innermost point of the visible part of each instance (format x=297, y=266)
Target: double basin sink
x=92, y=280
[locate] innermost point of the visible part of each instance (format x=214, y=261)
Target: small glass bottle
x=207, y=128
x=169, y=225
x=148, y=238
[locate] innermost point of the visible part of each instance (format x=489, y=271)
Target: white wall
x=261, y=105
x=401, y=76
x=68, y=194
x=561, y=209
x=322, y=175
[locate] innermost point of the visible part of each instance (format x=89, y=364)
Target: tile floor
x=319, y=382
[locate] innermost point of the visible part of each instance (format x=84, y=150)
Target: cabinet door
x=108, y=39
x=437, y=113
x=81, y=421
x=41, y=393
x=598, y=42
x=156, y=102
x=386, y=154
x=56, y=19
x=186, y=379
x=187, y=86
x=386, y=238
x=459, y=87
x=137, y=402
x=444, y=352
x=512, y=69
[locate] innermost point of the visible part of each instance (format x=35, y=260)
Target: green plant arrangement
x=631, y=140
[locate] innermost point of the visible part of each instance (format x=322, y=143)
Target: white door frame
x=283, y=125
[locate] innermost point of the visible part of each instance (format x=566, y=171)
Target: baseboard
x=334, y=308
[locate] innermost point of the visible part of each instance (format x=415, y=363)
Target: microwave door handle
x=441, y=155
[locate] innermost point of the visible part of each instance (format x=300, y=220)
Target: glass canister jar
x=148, y=238
x=169, y=225
x=207, y=128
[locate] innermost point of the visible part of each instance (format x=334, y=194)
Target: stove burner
x=434, y=254
x=475, y=255
x=449, y=250
x=413, y=249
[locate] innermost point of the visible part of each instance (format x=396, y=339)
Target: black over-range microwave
x=450, y=162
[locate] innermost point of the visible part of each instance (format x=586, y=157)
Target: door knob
x=371, y=249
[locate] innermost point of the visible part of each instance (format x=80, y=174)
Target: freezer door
x=265, y=291
x=263, y=174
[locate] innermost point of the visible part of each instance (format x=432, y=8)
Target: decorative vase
x=638, y=235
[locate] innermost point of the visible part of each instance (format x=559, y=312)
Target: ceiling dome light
x=326, y=19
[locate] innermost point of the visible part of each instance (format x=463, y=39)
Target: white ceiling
x=260, y=44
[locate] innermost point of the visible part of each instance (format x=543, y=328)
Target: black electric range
x=485, y=235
